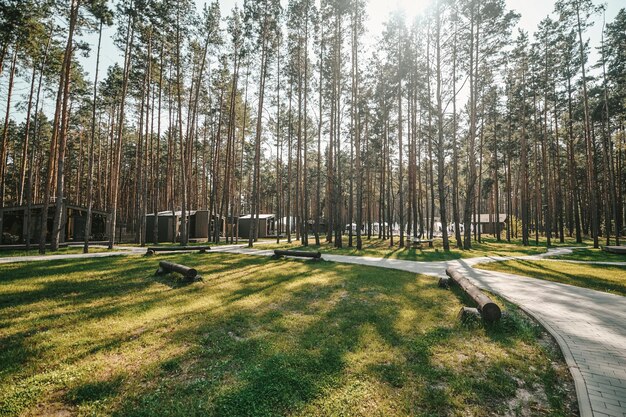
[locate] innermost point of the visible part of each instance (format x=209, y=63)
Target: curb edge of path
x=582, y=394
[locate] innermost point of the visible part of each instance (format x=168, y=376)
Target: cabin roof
x=490, y=218
x=261, y=216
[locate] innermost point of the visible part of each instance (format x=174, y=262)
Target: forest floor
x=381, y=248
x=103, y=336
x=601, y=277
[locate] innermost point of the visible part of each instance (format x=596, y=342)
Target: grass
x=380, y=248
x=222, y=242
x=591, y=254
x=259, y=338
x=605, y=278
x=62, y=251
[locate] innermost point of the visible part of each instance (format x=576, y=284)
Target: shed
x=266, y=226
x=488, y=223
x=16, y=228
x=169, y=225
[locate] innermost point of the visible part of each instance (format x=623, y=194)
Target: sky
x=532, y=12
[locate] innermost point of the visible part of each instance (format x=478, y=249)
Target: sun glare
x=380, y=9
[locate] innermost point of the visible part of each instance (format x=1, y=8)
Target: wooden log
x=469, y=313
x=417, y=243
x=178, y=248
x=187, y=272
x=444, y=282
x=489, y=310
x=615, y=249
x=299, y=253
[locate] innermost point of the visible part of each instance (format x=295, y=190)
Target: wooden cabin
x=266, y=226
x=18, y=226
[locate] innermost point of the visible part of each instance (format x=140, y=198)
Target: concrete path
x=590, y=326
x=31, y=258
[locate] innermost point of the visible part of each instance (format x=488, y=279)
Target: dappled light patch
x=607, y=278
x=257, y=337
x=380, y=248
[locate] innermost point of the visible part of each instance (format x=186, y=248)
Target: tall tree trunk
x=91, y=147
x=440, y=141
x=20, y=198
x=357, y=133
x=455, y=151
x=318, y=204
x=30, y=195
x=5, y=136
x=254, y=217
x=67, y=66
x=591, y=179
x=471, y=168
x=120, y=134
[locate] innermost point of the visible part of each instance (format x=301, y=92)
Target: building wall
x=165, y=232
x=490, y=228
x=245, y=225
x=201, y=224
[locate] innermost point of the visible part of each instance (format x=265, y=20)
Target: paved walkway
x=30, y=258
x=590, y=326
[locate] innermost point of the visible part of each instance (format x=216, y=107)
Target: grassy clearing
x=380, y=248
x=591, y=254
x=260, y=338
x=62, y=251
x=597, y=277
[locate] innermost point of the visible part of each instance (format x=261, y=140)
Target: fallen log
x=489, y=310
x=444, y=282
x=187, y=272
x=298, y=253
x=615, y=249
x=152, y=249
x=467, y=314
x=417, y=243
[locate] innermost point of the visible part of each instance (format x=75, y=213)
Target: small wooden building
x=169, y=225
x=17, y=228
x=488, y=223
x=266, y=226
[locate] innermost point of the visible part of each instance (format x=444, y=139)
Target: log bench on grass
x=615, y=249
x=417, y=243
x=489, y=310
x=279, y=253
x=189, y=274
x=152, y=249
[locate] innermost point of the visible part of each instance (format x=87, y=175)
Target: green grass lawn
x=381, y=249
x=597, y=277
x=259, y=337
x=591, y=254
x=62, y=251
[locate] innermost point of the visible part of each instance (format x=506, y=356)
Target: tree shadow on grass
x=551, y=272
x=268, y=372
x=258, y=362
x=281, y=337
